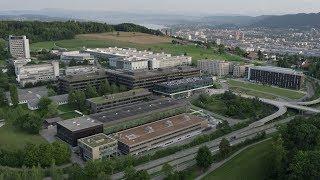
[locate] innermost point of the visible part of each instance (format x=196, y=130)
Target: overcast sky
x=245, y=7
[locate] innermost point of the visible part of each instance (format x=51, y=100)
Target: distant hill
x=288, y=21
x=33, y=17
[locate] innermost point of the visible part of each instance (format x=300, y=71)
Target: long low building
x=160, y=133
x=276, y=76
x=73, y=129
x=133, y=59
x=148, y=78
x=138, y=111
x=183, y=87
x=99, y=104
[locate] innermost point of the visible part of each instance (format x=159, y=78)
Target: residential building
x=216, y=68
x=148, y=78
x=38, y=72
x=160, y=133
x=276, y=76
x=76, y=56
x=99, y=104
x=73, y=129
x=98, y=146
x=183, y=87
x=19, y=47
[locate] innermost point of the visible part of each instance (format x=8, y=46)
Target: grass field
x=67, y=112
x=251, y=164
x=267, y=90
x=139, y=40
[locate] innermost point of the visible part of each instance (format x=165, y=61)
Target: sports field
x=139, y=40
x=251, y=164
x=257, y=89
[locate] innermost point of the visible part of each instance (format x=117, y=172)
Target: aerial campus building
x=183, y=87
x=99, y=104
x=79, y=77
x=73, y=129
x=143, y=111
x=276, y=76
x=214, y=67
x=36, y=73
x=148, y=78
x=133, y=59
x=98, y=146
x=160, y=133
x=19, y=47
x=76, y=56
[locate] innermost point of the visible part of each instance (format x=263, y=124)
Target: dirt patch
x=136, y=38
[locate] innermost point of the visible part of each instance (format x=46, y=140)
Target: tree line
x=38, y=31
x=296, y=150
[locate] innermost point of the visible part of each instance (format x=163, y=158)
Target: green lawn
x=191, y=50
x=251, y=164
x=291, y=94
x=67, y=112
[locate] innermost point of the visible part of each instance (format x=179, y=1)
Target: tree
x=51, y=92
x=167, y=169
x=224, y=147
x=2, y=98
x=260, y=55
x=91, y=92
x=44, y=103
x=122, y=88
x=104, y=88
x=142, y=175
x=204, y=157
x=61, y=153
x=55, y=173
x=14, y=94
x=305, y=165
x=30, y=123
x=130, y=173
x=52, y=109
x=114, y=88
x=278, y=155
x=221, y=49
x=36, y=173
x=45, y=154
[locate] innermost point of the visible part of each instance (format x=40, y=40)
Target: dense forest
x=51, y=31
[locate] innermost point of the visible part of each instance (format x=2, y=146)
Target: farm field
x=138, y=40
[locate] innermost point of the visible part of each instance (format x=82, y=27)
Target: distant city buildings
x=276, y=76
x=37, y=73
x=19, y=47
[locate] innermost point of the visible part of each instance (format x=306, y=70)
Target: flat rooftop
x=185, y=81
x=118, y=96
x=79, y=123
x=152, y=73
x=277, y=70
x=158, y=129
x=137, y=109
x=97, y=140
x=83, y=77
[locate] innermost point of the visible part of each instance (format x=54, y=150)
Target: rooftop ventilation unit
x=168, y=123
x=148, y=129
